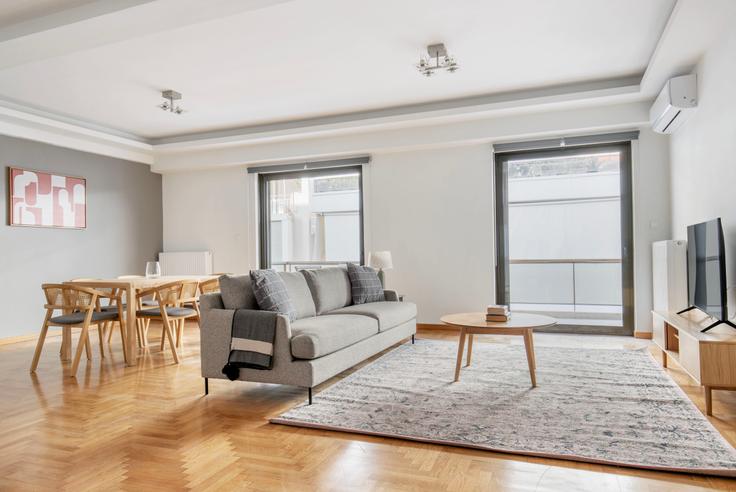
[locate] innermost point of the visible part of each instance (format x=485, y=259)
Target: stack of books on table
x=497, y=313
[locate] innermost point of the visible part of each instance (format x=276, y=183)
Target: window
x=563, y=230
x=311, y=218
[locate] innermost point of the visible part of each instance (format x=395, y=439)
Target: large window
x=311, y=218
x=564, y=236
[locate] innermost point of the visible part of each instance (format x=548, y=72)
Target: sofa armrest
x=391, y=295
x=216, y=332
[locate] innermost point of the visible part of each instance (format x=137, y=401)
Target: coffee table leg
x=470, y=348
x=460, y=347
x=529, y=345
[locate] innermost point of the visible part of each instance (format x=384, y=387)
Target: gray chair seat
x=174, y=312
x=113, y=308
x=389, y=314
x=315, y=337
x=78, y=317
x=149, y=302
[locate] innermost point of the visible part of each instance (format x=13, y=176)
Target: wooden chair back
x=70, y=297
x=174, y=293
x=189, y=291
x=209, y=286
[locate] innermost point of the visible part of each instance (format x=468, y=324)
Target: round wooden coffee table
x=520, y=324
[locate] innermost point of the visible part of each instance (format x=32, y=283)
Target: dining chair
x=171, y=310
x=79, y=309
x=104, y=329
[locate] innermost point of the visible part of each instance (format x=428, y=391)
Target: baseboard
x=33, y=337
x=647, y=335
x=436, y=326
x=27, y=338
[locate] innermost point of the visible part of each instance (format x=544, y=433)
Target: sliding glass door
x=564, y=234
x=311, y=218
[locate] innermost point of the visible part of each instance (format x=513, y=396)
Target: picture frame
x=46, y=199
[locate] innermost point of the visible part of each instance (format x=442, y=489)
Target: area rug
x=608, y=406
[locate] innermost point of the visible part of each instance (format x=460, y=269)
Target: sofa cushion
x=78, y=317
x=389, y=314
x=271, y=294
x=237, y=292
x=330, y=288
x=301, y=296
x=365, y=284
x=314, y=337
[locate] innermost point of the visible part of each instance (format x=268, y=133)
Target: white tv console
x=709, y=358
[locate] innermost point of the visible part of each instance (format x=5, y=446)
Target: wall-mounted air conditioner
x=675, y=103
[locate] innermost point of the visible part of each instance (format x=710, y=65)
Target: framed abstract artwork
x=42, y=199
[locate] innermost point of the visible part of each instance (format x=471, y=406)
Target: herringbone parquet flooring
x=150, y=428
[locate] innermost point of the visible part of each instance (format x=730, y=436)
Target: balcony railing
x=593, y=284
x=292, y=266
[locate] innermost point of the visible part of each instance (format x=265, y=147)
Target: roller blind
x=310, y=165
x=556, y=143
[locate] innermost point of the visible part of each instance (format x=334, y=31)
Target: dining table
x=130, y=286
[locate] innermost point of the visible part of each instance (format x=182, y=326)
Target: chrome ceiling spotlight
x=169, y=105
x=436, y=59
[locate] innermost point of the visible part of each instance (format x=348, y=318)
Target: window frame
x=502, y=273
x=264, y=208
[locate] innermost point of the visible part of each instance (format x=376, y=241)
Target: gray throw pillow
x=270, y=292
x=236, y=292
x=365, y=284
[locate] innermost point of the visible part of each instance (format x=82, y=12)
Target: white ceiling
x=309, y=58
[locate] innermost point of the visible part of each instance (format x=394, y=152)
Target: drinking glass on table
x=153, y=269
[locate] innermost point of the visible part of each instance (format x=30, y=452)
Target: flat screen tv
x=706, y=271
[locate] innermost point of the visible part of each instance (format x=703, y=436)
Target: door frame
x=502, y=274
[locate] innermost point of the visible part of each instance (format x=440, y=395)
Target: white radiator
x=186, y=263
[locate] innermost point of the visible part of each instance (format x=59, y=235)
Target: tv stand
x=712, y=325
x=709, y=358
x=720, y=321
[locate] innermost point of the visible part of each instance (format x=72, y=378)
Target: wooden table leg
x=130, y=321
x=66, y=344
x=534, y=354
x=664, y=359
x=708, y=400
x=460, y=348
x=529, y=345
x=470, y=348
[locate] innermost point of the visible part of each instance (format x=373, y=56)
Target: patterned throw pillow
x=270, y=292
x=365, y=284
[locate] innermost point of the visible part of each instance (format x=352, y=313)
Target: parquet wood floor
x=150, y=428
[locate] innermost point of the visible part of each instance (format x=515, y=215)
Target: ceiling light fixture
x=169, y=105
x=436, y=59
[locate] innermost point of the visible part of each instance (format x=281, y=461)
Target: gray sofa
x=329, y=336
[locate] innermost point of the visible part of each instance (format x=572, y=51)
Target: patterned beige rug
x=609, y=406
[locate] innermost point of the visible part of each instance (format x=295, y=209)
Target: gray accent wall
x=124, y=229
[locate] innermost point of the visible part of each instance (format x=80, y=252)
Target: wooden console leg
x=664, y=359
x=708, y=400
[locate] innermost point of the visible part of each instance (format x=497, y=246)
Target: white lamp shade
x=380, y=260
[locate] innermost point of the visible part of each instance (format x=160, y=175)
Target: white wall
x=432, y=208
x=651, y=188
x=703, y=152
x=208, y=211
